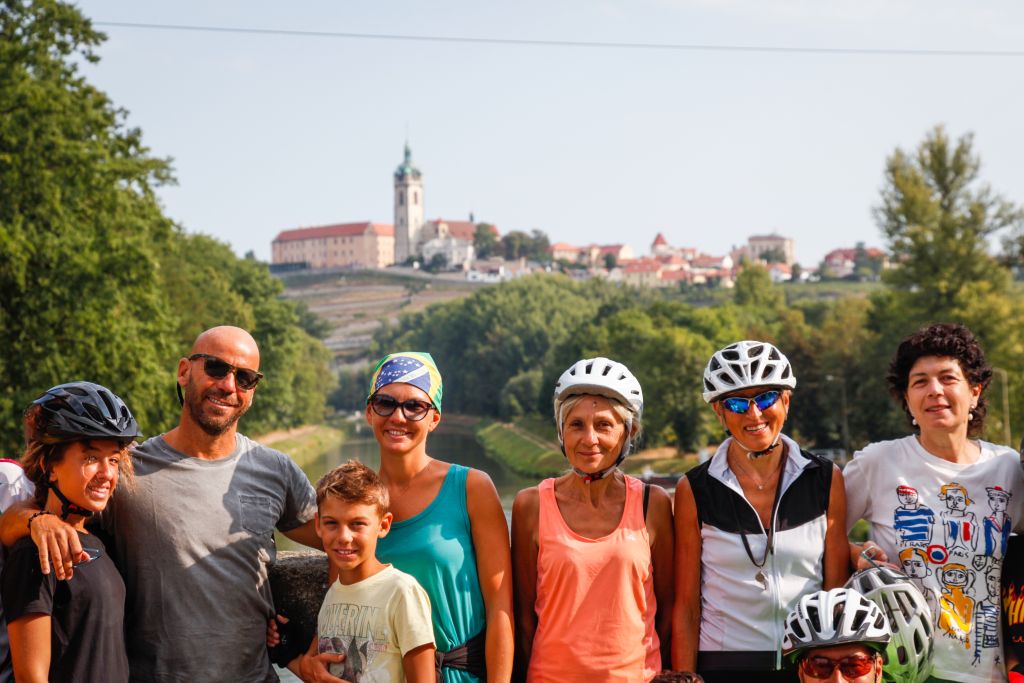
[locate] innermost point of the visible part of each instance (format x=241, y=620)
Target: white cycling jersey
x=744, y=607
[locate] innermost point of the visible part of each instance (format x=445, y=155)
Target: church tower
x=408, y=209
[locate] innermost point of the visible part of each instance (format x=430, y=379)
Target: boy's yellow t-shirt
x=374, y=623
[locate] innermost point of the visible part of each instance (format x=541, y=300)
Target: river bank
x=524, y=447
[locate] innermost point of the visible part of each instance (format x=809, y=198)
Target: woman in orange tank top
x=592, y=554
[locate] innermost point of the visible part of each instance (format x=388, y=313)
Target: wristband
x=30, y=519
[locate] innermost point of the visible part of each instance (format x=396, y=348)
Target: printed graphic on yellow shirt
x=347, y=628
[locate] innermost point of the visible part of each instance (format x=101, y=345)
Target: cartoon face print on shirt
x=912, y=520
x=914, y=563
x=997, y=526
x=959, y=526
x=956, y=608
x=986, y=617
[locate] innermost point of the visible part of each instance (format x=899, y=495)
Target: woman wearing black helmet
x=77, y=437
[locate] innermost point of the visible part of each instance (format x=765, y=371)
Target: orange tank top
x=595, y=599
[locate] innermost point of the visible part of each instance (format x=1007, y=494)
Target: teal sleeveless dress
x=436, y=547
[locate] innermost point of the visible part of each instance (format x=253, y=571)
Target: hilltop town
x=478, y=250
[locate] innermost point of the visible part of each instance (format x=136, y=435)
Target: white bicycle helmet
x=835, y=617
x=599, y=377
x=746, y=364
x=908, y=657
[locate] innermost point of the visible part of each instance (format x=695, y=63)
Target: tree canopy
x=98, y=284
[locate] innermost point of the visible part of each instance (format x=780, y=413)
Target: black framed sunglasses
x=763, y=402
x=385, y=405
x=218, y=369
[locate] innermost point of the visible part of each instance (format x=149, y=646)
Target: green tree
x=774, y=255
x=937, y=218
x=515, y=244
x=80, y=227
x=485, y=241
x=754, y=288
x=97, y=283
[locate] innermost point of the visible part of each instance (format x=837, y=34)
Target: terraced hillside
x=357, y=303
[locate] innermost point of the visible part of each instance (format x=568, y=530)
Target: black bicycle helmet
x=84, y=410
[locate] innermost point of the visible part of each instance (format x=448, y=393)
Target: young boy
x=373, y=614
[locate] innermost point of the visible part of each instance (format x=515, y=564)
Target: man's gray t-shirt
x=193, y=540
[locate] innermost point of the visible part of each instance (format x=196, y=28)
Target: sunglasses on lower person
x=384, y=405
x=850, y=667
x=245, y=378
x=740, y=405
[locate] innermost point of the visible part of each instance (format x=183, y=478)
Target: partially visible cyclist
x=837, y=635
x=77, y=438
x=909, y=655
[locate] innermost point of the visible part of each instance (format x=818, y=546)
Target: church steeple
x=406, y=169
x=408, y=208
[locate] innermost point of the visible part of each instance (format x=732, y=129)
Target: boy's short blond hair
x=353, y=482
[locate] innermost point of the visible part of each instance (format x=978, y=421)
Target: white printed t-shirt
x=946, y=525
x=374, y=623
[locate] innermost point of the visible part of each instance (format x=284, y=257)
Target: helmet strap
x=67, y=508
x=754, y=455
x=588, y=477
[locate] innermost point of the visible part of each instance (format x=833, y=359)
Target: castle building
x=408, y=209
x=343, y=245
x=760, y=246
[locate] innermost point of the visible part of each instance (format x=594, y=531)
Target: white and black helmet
x=746, y=364
x=835, y=617
x=908, y=657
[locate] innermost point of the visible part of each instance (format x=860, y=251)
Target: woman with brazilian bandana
x=443, y=515
x=757, y=526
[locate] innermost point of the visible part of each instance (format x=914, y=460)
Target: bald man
x=194, y=537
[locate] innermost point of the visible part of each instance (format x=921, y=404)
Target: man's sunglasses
x=214, y=367
x=385, y=405
x=853, y=666
x=762, y=401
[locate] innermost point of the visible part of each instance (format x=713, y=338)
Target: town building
x=458, y=254
x=842, y=263
x=592, y=255
x=344, y=245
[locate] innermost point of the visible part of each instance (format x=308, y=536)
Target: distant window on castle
x=415, y=197
x=401, y=199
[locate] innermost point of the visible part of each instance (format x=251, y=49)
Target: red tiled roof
x=562, y=246
x=675, y=275
x=610, y=248
x=337, y=230
x=659, y=240
x=705, y=261
x=463, y=230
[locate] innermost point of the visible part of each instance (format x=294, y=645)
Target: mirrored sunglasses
x=853, y=666
x=218, y=369
x=740, y=405
x=385, y=405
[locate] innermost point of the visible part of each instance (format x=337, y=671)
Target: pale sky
x=272, y=132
